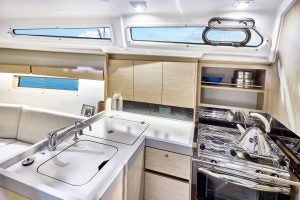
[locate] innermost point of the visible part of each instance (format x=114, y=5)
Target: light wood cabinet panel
x=15, y=69
x=285, y=84
x=179, y=84
x=115, y=190
x=120, y=78
x=159, y=187
x=168, y=163
x=148, y=81
x=135, y=178
x=7, y=194
x=95, y=74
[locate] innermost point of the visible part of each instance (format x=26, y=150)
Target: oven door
x=208, y=185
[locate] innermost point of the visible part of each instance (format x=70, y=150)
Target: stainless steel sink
x=117, y=130
x=79, y=163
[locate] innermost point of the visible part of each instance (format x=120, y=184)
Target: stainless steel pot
x=243, y=83
x=244, y=74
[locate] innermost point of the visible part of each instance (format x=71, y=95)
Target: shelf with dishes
x=233, y=86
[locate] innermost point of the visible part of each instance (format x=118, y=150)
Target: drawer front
x=159, y=187
x=168, y=163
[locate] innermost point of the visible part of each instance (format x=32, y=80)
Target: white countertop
x=166, y=134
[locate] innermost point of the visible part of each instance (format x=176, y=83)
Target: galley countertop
x=166, y=134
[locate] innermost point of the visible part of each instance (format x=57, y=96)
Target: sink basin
x=117, y=130
x=79, y=163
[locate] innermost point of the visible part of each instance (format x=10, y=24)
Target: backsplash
x=171, y=112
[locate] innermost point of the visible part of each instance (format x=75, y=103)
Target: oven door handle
x=244, y=183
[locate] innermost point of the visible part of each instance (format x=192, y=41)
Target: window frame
x=226, y=43
x=16, y=81
x=12, y=31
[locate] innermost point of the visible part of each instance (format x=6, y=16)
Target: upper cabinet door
x=179, y=84
x=148, y=81
x=120, y=78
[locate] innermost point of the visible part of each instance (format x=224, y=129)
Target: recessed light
x=139, y=6
x=242, y=4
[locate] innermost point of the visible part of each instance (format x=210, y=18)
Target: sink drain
x=110, y=131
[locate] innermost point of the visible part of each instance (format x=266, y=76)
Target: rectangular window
x=81, y=33
x=48, y=83
x=188, y=35
x=199, y=35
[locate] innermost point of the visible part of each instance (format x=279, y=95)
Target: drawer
x=159, y=187
x=168, y=163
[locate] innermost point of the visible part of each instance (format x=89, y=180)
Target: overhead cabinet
x=157, y=82
x=120, y=78
x=179, y=84
x=148, y=81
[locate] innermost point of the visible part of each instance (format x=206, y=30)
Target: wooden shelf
x=229, y=107
x=231, y=87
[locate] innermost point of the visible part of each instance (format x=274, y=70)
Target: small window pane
x=168, y=34
x=86, y=33
x=226, y=35
x=48, y=83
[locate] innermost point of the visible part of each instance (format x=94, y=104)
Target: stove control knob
x=202, y=146
x=275, y=175
x=232, y=152
x=282, y=163
x=259, y=171
x=214, y=161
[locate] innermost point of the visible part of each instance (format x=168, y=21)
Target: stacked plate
x=243, y=79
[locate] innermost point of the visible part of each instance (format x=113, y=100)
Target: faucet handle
x=56, y=130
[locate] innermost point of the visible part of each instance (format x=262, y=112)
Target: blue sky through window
x=168, y=34
x=191, y=35
x=48, y=83
x=91, y=33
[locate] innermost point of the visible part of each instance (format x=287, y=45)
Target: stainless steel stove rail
x=219, y=155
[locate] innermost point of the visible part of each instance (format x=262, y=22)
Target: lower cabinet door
x=159, y=187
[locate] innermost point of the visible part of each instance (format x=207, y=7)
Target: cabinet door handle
x=166, y=155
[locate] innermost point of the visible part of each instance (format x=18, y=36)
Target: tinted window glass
x=193, y=35
x=87, y=33
x=168, y=34
x=48, y=83
x=226, y=35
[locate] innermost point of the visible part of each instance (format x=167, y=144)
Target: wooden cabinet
x=167, y=175
x=115, y=190
x=148, y=81
x=120, y=78
x=168, y=163
x=157, y=82
x=135, y=177
x=163, y=188
x=179, y=84
x=7, y=194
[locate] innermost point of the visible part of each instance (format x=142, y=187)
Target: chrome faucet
x=78, y=131
x=53, y=140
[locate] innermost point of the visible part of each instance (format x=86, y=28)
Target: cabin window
x=48, y=83
x=190, y=35
x=102, y=33
x=199, y=35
